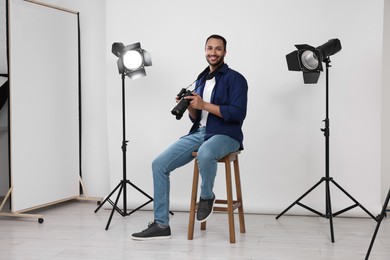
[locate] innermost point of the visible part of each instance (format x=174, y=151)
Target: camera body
x=183, y=104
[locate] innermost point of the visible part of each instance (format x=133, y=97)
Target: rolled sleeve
x=235, y=108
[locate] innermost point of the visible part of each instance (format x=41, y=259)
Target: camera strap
x=212, y=74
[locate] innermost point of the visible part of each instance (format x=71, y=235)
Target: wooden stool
x=229, y=204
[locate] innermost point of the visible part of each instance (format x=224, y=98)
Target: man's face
x=215, y=52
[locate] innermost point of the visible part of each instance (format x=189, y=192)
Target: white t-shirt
x=208, y=89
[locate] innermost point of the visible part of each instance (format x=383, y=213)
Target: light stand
x=136, y=72
x=380, y=218
x=327, y=179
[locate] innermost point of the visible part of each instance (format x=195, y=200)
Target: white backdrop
x=284, y=147
x=385, y=104
x=44, y=115
x=94, y=157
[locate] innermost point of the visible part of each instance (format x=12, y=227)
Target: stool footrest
x=236, y=205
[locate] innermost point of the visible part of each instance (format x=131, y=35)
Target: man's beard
x=217, y=62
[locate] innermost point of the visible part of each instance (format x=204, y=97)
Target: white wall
x=284, y=147
x=385, y=103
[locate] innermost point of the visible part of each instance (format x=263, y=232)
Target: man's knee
x=204, y=155
x=157, y=166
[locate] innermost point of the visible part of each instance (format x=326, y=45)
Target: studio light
x=131, y=63
x=132, y=59
x=309, y=59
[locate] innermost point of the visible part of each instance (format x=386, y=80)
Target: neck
x=213, y=71
x=214, y=67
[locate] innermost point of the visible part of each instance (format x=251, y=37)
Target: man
x=217, y=110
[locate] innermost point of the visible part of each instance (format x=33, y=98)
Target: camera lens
x=180, y=108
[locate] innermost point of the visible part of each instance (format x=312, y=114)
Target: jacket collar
x=220, y=70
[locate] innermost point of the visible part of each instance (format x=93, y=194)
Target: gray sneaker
x=154, y=231
x=205, y=209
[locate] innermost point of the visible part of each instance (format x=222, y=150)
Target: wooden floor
x=72, y=230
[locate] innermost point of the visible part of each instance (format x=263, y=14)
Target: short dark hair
x=216, y=36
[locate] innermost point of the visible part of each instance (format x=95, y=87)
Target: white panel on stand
x=44, y=105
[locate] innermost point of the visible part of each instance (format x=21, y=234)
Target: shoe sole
x=150, y=238
x=211, y=213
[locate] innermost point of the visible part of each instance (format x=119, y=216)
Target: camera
x=183, y=104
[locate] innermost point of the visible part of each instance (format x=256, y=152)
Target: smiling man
x=217, y=110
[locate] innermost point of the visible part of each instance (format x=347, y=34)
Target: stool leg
x=230, y=209
x=239, y=196
x=203, y=225
x=194, y=194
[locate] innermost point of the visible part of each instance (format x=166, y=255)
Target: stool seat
x=228, y=205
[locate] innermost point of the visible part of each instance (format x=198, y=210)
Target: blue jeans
x=179, y=154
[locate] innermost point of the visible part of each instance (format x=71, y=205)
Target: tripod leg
x=301, y=197
x=115, y=205
x=356, y=202
x=381, y=216
x=138, y=189
x=143, y=205
x=108, y=197
x=329, y=210
x=146, y=195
